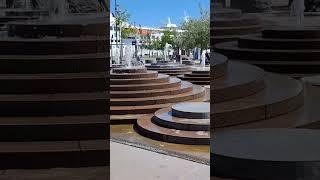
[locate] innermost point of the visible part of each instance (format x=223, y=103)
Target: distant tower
x=170, y=25
x=185, y=17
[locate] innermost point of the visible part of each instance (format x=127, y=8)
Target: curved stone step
x=53, y=83
x=130, y=117
x=280, y=96
x=173, y=82
x=196, y=92
x=165, y=118
x=198, y=80
x=219, y=66
x=241, y=80
x=295, y=69
x=161, y=78
x=52, y=154
x=257, y=42
x=130, y=70
x=238, y=30
x=145, y=127
x=232, y=50
x=172, y=71
x=129, y=114
x=185, y=87
x=53, y=104
x=191, y=110
x=53, y=128
x=197, y=74
x=53, y=46
x=34, y=64
x=232, y=22
x=292, y=32
x=226, y=12
x=148, y=74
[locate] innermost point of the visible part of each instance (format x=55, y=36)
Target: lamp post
x=116, y=27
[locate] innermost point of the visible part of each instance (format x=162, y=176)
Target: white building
x=142, y=37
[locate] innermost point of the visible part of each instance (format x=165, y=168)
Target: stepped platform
x=281, y=99
x=287, y=50
x=170, y=69
x=183, y=123
x=137, y=91
x=230, y=24
x=53, y=100
x=199, y=76
x=250, y=94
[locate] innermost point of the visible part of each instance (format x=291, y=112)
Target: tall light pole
x=116, y=27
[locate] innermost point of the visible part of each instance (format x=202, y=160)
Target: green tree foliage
x=128, y=32
x=196, y=32
x=167, y=38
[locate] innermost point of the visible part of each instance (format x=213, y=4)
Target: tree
x=196, y=32
x=127, y=32
x=167, y=38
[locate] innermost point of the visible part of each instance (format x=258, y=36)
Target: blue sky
x=155, y=13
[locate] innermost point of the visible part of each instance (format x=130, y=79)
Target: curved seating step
x=130, y=114
x=232, y=50
x=53, y=128
x=183, y=88
x=52, y=154
x=52, y=46
x=232, y=22
x=257, y=42
x=173, y=82
x=195, y=93
x=165, y=118
x=148, y=74
x=280, y=96
x=237, y=30
x=65, y=63
x=145, y=127
x=159, y=79
x=240, y=81
x=53, y=104
x=53, y=83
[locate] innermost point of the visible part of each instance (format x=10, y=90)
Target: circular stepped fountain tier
x=170, y=69
x=200, y=76
x=219, y=66
x=247, y=94
x=183, y=123
x=229, y=25
x=70, y=26
x=268, y=153
x=53, y=101
x=289, y=50
x=136, y=91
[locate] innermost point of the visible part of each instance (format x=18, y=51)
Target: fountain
x=203, y=59
x=128, y=56
x=297, y=9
